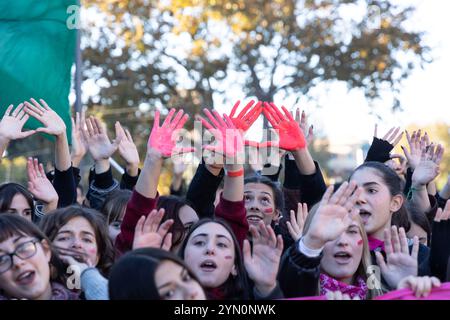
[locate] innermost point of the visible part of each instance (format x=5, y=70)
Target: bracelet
x=234, y=174
x=410, y=192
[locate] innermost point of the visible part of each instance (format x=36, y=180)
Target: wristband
x=410, y=192
x=234, y=174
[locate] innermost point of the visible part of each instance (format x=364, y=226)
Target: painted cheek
x=228, y=257
x=269, y=210
x=360, y=242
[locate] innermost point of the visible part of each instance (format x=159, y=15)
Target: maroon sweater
x=137, y=207
x=235, y=214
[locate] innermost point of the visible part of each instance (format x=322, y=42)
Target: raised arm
x=41, y=188
x=381, y=147
x=128, y=151
x=426, y=171
x=64, y=181
x=79, y=144
x=229, y=145
x=101, y=149
x=161, y=144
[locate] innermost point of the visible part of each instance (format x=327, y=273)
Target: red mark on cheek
x=228, y=257
x=92, y=251
x=269, y=210
x=360, y=242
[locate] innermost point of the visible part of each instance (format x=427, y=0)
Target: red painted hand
x=163, y=138
x=290, y=134
x=229, y=139
x=247, y=116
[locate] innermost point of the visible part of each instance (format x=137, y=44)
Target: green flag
x=37, y=51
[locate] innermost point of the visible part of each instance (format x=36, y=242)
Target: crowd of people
x=231, y=234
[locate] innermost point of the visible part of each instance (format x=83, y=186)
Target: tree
x=186, y=51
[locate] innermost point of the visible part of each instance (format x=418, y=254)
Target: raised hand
x=53, y=124
x=150, y=233
x=334, y=215
x=416, y=145
x=229, y=140
x=127, y=149
x=97, y=140
x=291, y=137
x=12, y=124
x=399, y=262
x=39, y=185
x=296, y=223
x=428, y=167
x=421, y=286
x=393, y=136
x=303, y=122
x=79, y=144
x=263, y=261
x=247, y=116
x=443, y=215
x=163, y=138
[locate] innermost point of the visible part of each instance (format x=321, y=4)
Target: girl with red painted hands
x=263, y=197
x=161, y=145
x=209, y=175
x=304, y=183
x=229, y=146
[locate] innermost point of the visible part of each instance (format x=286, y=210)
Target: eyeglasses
x=24, y=251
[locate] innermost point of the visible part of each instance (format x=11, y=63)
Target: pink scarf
x=329, y=284
x=375, y=243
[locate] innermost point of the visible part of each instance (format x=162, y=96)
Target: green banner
x=37, y=51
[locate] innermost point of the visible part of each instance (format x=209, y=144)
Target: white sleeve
x=312, y=253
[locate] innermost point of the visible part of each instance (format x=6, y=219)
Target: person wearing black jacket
x=333, y=254
x=440, y=239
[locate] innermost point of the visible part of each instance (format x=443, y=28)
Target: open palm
x=12, y=124
x=53, y=124
x=399, y=262
x=149, y=233
x=97, y=140
x=263, y=262
x=335, y=214
x=290, y=134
